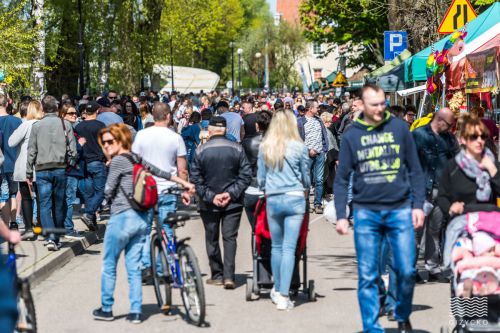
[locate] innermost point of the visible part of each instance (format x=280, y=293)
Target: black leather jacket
x=219, y=166
x=251, y=147
x=434, y=151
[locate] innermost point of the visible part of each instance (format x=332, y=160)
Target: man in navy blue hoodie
x=389, y=193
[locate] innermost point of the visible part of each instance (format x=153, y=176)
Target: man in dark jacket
x=435, y=145
x=313, y=132
x=221, y=173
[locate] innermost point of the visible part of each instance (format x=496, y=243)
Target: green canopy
x=415, y=66
x=389, y=66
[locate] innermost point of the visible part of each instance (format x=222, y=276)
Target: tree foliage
x=357, y=24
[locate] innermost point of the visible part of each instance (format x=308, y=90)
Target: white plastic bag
x=330, y=214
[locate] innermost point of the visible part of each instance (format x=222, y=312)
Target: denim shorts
x=9, y=187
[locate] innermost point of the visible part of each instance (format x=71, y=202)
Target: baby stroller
x=261, y=278
x=475, y=261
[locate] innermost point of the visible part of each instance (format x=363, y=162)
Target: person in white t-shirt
x=165, y=149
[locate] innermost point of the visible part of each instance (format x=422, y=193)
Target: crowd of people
x=227, y=153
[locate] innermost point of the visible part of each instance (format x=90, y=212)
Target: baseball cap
x=91, y=107
x=104, y=102
x=217, y=122
x=222, y=103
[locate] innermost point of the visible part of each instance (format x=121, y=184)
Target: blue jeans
x=95, y=182
x=71, y=188
x=387, y=265
x=125, y=231
x=370, y=228
x=285, y=214
x=317, y=173
x=167, y=203
x=8, y=304
x=51, y=185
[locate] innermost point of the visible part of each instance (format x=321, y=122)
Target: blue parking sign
x=395, y=42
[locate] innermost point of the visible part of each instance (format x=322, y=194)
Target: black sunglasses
x=108, y=142
x=474, y=137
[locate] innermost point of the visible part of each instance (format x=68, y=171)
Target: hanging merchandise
x=437, y=63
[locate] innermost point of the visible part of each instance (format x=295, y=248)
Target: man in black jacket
x=435, y=145
x=221, y=173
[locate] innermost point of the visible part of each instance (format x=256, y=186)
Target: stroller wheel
x=249, y=287
x=311, y=292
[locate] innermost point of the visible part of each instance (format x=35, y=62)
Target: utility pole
x=172, y=61
x=231, y=44
x=240, y=51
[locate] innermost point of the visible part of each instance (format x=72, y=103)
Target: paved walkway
x=65, y=300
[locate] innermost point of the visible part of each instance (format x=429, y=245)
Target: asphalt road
x=65, y=300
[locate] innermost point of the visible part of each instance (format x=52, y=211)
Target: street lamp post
x=80, y=46
x=239, y=51
x=172, y=61
x=231, y=45
x=258, y=55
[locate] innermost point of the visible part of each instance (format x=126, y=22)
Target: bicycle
x=26, y=321
x=175, y=265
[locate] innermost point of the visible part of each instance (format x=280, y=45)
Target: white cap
x=347, y=93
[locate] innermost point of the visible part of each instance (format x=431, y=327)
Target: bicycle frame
x=170, y=251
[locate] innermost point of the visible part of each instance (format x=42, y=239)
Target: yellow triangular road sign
x=340, y=80
x=459, y=13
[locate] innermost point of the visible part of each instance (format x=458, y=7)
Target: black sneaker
x=405, y=327
x=89, y=221
x=103, y=315
x=29, y=235
x=74, y=235
x=318, y=209
x=134, y=318
x=13, y=226
x=390, y=315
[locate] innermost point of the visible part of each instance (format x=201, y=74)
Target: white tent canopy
x=411, y=91
x=187, y=79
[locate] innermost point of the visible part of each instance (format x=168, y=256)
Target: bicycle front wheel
x=26, y=307
x=192, y=292
x=161, y=281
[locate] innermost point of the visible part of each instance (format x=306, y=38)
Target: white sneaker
x=284, y=303
x=274, y=296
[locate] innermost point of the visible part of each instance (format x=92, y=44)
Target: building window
x=317, y=49
x=318, y=73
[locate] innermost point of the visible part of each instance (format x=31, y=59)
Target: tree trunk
x=38, y=74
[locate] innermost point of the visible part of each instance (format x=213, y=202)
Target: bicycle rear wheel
x=161, y=280
x=192, y=292
x=26, y=321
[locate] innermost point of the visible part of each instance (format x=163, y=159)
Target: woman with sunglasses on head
x=127, y=228
x=470, y=182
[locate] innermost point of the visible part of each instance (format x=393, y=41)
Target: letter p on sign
x=395, y=42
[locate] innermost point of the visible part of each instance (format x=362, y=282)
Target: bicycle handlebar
x=176, y=190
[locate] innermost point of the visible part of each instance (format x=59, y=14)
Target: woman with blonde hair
x=20, y=139
x=283, y=174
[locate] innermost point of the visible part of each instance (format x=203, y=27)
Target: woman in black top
x=470, y=182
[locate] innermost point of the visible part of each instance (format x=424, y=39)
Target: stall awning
x=415, y=66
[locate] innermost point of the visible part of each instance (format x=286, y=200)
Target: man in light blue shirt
x=235, y=130
x=106, y=114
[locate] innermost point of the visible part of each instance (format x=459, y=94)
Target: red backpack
x=144, y=194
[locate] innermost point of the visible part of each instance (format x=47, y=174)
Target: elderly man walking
x=221, y=174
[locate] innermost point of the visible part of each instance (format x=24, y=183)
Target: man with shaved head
x=435, y=145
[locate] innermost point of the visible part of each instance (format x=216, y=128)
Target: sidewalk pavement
x=35, y=262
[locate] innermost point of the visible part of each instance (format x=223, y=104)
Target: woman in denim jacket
x=283, y=174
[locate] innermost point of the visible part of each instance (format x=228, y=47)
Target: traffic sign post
x=395, y=42
x=459, y=13
x=340, y=80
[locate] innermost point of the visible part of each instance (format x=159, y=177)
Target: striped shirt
x=120, y=180
x=313, y=134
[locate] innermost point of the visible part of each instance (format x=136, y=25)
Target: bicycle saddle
x=173, y=218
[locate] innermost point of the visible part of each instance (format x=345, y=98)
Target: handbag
x=66, y=160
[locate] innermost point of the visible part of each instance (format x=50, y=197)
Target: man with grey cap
x=221, y=174
x=106, y=113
